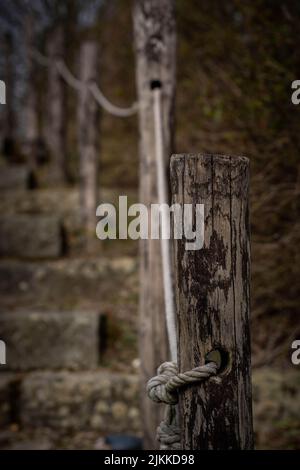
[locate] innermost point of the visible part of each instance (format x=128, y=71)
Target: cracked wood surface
x=212, y=295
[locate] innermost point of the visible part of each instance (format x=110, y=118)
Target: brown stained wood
x=212, y=295
x=155, y=50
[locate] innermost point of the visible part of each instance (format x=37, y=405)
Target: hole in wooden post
x=220, y=357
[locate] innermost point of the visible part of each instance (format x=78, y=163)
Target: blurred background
x=69, y=304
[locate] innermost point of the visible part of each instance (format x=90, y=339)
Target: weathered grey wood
x=56, y=122
x=212, y=294
x=155, y=47
x=88, y=139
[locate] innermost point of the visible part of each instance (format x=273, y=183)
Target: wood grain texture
x=212, y=295
x=155, y=50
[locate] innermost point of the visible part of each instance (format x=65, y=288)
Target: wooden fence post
x=212, y=295
x=88, y=139
x=155, y=49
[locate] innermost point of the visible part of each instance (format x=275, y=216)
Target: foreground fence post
x=212, y=294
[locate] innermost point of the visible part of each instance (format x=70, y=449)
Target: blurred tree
x=9, y=120
x=56, y=107
x=31, y=131
x=88, y=139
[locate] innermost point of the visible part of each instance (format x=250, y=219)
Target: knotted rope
x=168, y=432
x=163, y=388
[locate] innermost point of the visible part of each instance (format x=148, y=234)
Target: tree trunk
x=155, y=48
x=56, y=108
x=9, y=120
x=88, y=133
x=212, y=291
x=31, y=117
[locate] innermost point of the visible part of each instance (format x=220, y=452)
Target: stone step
x=100, y=401
x=68, y=283
x=16, y=177
x=50, y=340
x=65, y=203
x=31, y=236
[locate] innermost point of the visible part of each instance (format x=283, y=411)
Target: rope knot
x=168, y=432
x=158, y=388
x=163, y=388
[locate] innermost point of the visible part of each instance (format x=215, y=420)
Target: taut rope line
x=164, y=241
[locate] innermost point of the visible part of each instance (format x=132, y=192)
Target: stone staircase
x=69, y=324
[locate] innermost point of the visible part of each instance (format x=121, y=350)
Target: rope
x=168, y=432
x=80, y=86
x=40, y=58
x=163, y=388
x=108, y=106
x=165, y=242
x=68, y=77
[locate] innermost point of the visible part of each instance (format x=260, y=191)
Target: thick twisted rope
x=168, y=432
x=80, y=86
x=163, y=388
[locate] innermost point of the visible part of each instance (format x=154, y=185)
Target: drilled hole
x=220, y=357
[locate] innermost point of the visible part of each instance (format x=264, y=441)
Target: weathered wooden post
x=88, y=138
x=212, y=294
x=155, y=48
x=56, y=125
